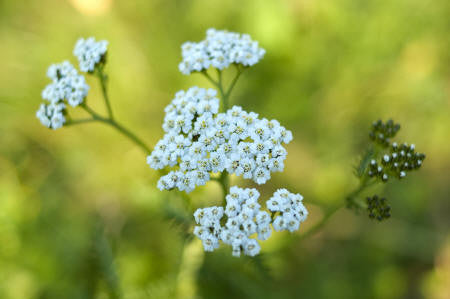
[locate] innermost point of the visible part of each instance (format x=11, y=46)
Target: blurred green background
x=80, y=215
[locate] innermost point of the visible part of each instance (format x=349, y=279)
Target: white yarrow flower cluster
x=89, y=53
x=200, y=141
x=292, y=211
x=67, y=85
x=244, y=218
x=220, y=49
x=51, y=115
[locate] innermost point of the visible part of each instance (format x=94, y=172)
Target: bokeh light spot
x=92, y=7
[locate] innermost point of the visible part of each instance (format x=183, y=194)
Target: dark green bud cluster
x=378, y=208
x=400, y=159
x=381, y=133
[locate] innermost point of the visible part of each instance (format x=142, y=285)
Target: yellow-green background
x=331, y=68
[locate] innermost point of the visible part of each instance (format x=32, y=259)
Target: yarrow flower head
x=383, y=161
x=381, y=133
x=378, y=208
x=90, y=53
x=242, y=218
x=292, y=211
x=51, y=115
x=67, y=86
x=396, y=160
x=396, y=163
x=220, y=49
x=200, y=141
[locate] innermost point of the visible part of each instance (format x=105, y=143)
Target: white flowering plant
x=207, y=140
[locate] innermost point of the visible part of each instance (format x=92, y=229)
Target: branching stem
x=103, y=81
x=110, y=119
x=351, y=199
x=224, y=179
x=113, y=123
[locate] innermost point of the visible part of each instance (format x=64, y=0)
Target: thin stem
x=130, y=135
x=119, y=127
x=222, y=93
x=233, y=83
x=316, y=227
x=79, y=121
x=103, y=80
x=89, y=110
x=365, y=183
x=210, y=79
x=224, y=181
x=104, y=259
x=350, y=199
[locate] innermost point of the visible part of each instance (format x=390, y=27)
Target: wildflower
x=90, y=53
x=244, y=219
x=52, y=115
x=199, y=138
x=220, y=49
x=66, y=85
x=292, y=211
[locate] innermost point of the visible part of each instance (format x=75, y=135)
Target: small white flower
x=273, y=204
x=276, y=164
x=217, y=162
x=188, y=163
x=247, y=166
x=210, y=242
x=264, y=231
x=233, y=208
x=249, y=227
x=236, y=250
x=164, y=183
x=186, y=182
x=261, y=175
x=302, y=213
x=252, y=248
x=291, y=222
x=279, y=223
x=200, y=177
x=262, y=218
x=227, y=235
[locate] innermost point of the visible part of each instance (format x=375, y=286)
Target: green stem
x=224, y=181
x=78, y=121
x=316, y=227
x=222, y=93
x=127, y=133
x=103, y=80
x=104, y=259
x=350, y=199
x=364, y=184
x=210, y=79
x=233, y=83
